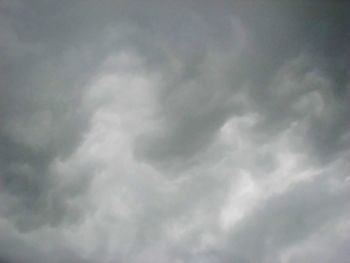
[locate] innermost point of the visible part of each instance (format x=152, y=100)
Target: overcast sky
x=174, y=131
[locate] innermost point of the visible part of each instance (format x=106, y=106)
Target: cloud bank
x=174, y=131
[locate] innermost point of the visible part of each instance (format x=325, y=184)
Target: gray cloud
x=174, y=131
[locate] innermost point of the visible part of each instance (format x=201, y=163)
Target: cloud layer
x=174, y=131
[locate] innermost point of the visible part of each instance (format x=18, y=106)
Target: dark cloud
x=173, y=131
x=276, y=35
x=48, y=54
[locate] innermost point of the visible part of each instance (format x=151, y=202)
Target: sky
x=174, y=131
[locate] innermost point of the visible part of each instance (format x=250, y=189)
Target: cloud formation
x=174, y=131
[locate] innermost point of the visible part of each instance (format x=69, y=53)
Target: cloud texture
x=174, y=131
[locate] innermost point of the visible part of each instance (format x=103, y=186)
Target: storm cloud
x=174, y=131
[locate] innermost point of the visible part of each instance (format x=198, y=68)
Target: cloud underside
x=174, y=131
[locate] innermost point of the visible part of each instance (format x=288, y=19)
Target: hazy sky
x=174, y=131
